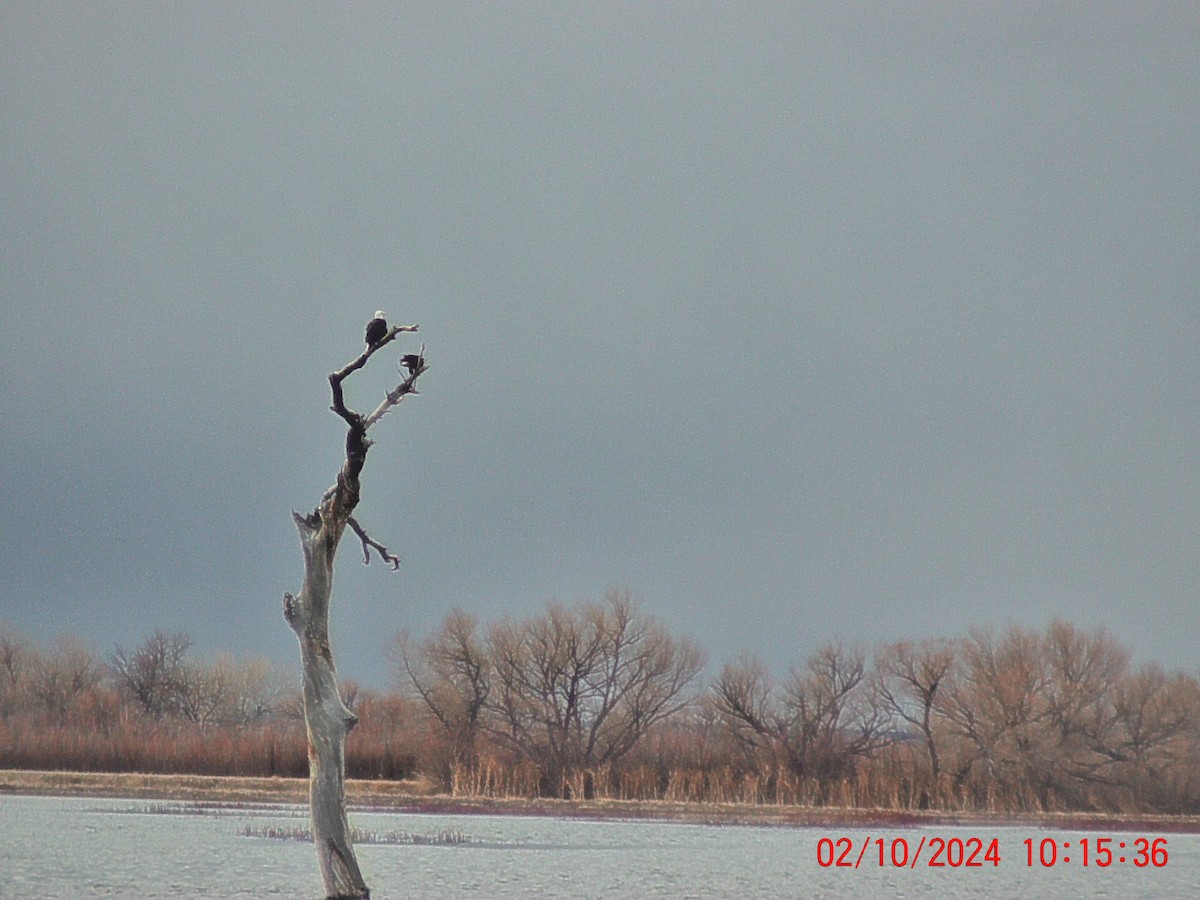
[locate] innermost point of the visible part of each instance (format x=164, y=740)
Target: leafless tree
x=164, y=680
x=1083, y=670
x=62, y=674
x=745, y=701
x=450, y=671
x=1152, y=707
x=1051, y=720
x=910, y=676
x=327, y=716
x=258, y=690
x=994, y=705
x=744, y=696
x=15, y=658
x=823, y=718
x=151, y=674
x=1157, y=731
x=834, y=709
x=204, y=690
x=576, y=688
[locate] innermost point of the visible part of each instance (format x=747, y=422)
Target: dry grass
x=416, y=796
x=210, y=788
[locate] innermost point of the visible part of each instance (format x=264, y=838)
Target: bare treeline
x=67, y=681
x=563, y=696
x=597, y=699
x=160, y=708
x=162, y=680
x=1016, y=721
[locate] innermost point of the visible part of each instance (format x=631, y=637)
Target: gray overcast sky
x=801, y=322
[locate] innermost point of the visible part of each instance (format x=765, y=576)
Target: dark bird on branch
x=410, y=361
x=376, y=329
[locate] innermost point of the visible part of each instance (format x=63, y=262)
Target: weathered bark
x=327, y=718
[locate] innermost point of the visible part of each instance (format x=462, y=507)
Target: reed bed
x=447, y=837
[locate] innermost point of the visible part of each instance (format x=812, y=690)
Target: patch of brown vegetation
x=415, y=796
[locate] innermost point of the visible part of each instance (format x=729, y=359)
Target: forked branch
x=336, y=379
x=368, y=542
x=356, y=437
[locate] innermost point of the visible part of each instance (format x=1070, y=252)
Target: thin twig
x=368, y=542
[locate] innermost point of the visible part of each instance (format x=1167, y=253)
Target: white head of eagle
x=376, y=329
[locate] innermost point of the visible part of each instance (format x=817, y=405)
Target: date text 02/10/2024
x=975, y=852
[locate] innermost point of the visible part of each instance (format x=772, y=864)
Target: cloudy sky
x=801, y=322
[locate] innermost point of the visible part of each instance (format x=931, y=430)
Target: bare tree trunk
x=327, y=718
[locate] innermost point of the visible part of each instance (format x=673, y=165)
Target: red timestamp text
x=976, y=852
x=1097, y=851
x=899, y=852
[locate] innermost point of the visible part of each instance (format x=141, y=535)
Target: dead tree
x=327, y=717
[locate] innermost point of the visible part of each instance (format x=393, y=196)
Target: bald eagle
x=410, y=361
x=376, y=329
